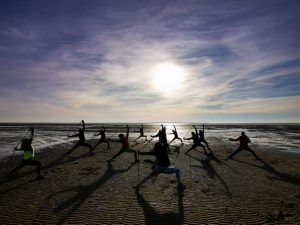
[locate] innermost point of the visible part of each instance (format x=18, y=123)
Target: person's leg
x=172, y=140
x=116, y=155
x=35, y=163
x=170, y=170
x=74, y=147
x=234, y=153
x=150, y=176
x=134, y=152
x=253, y=153
x=22, y=164
x=107, y=142
x=206, y=144
x=201, y=145
x=193, y=147
x=87, y=145
x=97, y=144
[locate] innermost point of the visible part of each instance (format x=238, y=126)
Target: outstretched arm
x=188, y=138
x=114, y=140
x=232, y=139
x=74, y=135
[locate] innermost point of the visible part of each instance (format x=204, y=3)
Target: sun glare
x=167, y=77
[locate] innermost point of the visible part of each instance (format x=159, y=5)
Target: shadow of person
x=153, y=217
x=278, y=175
x=211, y=172
x=84, y=192
x=56, y=162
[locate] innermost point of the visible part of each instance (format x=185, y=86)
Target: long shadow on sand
x=84, y=192
x=58, y=161
x=211, y=171
x=152, y=217
x=278, y=175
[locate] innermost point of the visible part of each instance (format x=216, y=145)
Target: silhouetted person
x=201, y=136
x=196, y=142
x=28, y=157
x=175, y=135
x=162, y=165
x=81, y=141
x=102, y=138
x=141, y=133
x=244, y=140
x=125, y=145
x=162, y=136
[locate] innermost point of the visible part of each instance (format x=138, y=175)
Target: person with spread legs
x=125, y=145
x=244, y=141
x=28, y=157
x=103, y=138
x=196, y=142
x=175, y=136
x=201, y=137
x=162, y=165
x=81, y=141
x=141, y=130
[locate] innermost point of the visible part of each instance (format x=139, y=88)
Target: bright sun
x=167, y=77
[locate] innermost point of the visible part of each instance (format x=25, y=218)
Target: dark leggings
x=80, y=144
x=240, y=149
x=194, y=146
x=102, y=141
x=29, y=162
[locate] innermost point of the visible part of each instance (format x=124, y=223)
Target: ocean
x=274, y=137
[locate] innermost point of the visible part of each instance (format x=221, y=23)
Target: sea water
x=275, y=137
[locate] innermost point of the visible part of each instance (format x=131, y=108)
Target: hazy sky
x=143, y=60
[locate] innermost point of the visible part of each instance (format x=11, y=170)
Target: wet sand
x=83, y=189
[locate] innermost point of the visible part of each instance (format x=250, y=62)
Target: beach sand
x=83, y=189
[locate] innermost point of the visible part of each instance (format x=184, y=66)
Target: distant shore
x=87, y=189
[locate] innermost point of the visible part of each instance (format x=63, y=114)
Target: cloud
x=98, y=57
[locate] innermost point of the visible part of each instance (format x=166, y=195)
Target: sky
x=214, y=61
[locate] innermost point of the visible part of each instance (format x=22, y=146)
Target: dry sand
x=88, y=190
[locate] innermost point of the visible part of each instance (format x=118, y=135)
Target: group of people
x=160, y=151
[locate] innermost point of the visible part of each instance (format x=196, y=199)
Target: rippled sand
x=85, y=189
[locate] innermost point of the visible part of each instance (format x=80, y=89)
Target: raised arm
x=203, y=128
x=195, y=129
x=174, y=127
x=83, y=125
x=127, y=134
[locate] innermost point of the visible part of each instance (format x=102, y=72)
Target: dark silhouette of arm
x=83, y=125
x=195, y=129
x=127, y=133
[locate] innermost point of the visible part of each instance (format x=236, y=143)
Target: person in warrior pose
x=125, y=145
x=196, y=142
x=244, y=140
x=102, y=138
x=163, y=164
x=201, y=136
x=28, y=157
x=141, y=130
x=175, y=136
x=162, y=136
x=81, y=141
